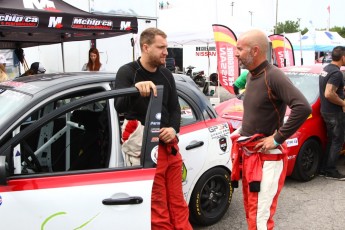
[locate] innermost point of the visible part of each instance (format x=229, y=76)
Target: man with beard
x=268, y=93
x=169, y=210
x=331, y=84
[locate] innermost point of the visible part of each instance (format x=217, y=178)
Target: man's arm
x=295, y=100
x=124, y=79
x=332, y=96
x=236, y=89
x=285, y=91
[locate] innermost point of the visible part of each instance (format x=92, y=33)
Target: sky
x=192, y=14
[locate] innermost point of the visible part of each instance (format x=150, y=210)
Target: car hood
x=232, y=110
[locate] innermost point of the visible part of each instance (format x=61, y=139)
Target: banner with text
x=227, y=63
x=282, y=50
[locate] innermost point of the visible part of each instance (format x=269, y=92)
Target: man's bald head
x=254, y=38
x=252, y=47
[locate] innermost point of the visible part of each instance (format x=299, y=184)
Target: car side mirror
x=3, y=176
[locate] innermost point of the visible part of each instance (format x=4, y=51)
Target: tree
x=304, y=31
x=340, y=30
x=294, y=26
x=287, y=27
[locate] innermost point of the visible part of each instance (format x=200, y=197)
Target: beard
x=246, y=61
x=155, y=61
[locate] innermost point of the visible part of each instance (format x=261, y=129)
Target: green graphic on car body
x=49, y=218
x=184, y=172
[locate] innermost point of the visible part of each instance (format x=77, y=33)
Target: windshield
x=307, y=83
x=11, y=102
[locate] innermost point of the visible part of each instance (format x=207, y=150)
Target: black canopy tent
x=27, y=23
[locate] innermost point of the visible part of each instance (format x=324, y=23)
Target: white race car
x=61, y=164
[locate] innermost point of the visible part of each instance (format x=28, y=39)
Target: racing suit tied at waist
x=252, y=160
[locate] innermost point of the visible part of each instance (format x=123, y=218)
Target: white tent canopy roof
x=316, y=40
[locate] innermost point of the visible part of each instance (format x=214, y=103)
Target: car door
x=39, y=195
x=203, y=143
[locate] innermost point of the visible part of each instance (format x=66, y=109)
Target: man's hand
x=145, y=87
x=266, y=144
x=167, y=134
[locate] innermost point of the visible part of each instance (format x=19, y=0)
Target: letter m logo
x=125, y=25
x=55, y=22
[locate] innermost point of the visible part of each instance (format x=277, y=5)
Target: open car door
x=35, y=194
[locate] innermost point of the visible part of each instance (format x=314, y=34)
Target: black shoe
x=335, y=176
x=322, y=173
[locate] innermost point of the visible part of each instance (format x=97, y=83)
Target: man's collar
x=259, y=68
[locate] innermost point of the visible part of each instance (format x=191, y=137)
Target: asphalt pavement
x=315, y=205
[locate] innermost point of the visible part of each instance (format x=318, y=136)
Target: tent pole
x=63, y=57
x=300, y=46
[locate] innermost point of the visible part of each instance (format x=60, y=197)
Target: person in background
x=169, y=209
x=94, y=63
x=240, y=83
x=35, y=68
x=3, y=75
x=331, y=85
x=268, y=93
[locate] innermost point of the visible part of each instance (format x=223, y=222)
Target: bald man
x=268, y=92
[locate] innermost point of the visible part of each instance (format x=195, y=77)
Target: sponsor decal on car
x=292, y=142
x=155, y=130
x=223, y=144
x=154, y=154
x=186, y=113
x=155, y=123
x=219, y=131
x=158, y=116
x=155, y=139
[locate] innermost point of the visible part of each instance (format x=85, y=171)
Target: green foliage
x=340, y=30
x=293, y=26
x=304, y=31
x=287, y=27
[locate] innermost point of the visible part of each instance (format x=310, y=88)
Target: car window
x=307, y=83
x=83, y=138
x=187, y=113
x=10, y=102
x=77, y=140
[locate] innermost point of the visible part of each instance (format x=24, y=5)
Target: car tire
x=211, y=197
x=307, y=162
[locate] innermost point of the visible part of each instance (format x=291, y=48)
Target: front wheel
x=211, y=197
x=307, y=162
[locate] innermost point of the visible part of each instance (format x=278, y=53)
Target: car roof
x=56, y=81
x=42, y=86
x=59, y=81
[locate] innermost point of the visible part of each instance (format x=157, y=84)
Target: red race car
x=304, y=147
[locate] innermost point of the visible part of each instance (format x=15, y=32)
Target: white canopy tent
x=316, y=40
x=306, y=45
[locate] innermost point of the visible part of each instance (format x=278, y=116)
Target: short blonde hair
x=149, y=34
